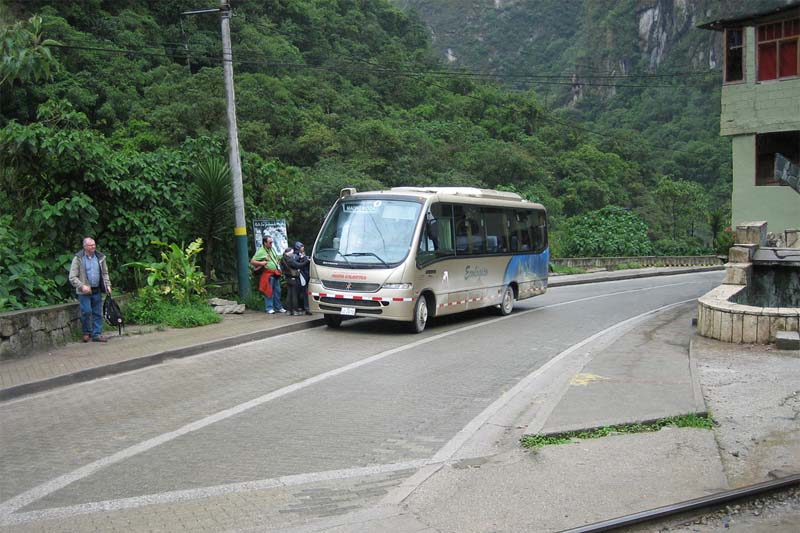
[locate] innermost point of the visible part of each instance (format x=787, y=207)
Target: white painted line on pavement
x=206, y=492
x=10, y=506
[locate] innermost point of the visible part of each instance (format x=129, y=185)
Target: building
x=761, y=112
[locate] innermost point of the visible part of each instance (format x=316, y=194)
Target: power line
x=180, y=52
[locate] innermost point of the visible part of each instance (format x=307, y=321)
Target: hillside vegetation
x=109, y=111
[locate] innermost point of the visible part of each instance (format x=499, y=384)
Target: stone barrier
x=33, y=330
x=645, y=261
x=30, y=330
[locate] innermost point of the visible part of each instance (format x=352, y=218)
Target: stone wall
x=652, y=260
x=30, y=330
x=34, y=330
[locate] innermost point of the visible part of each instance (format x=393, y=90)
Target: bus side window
x=537, y=227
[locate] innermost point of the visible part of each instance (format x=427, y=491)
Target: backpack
x=112, y=313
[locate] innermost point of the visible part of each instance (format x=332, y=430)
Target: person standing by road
x=291, y=272
x=267, y=260
x=301, y=257
x=88, y=274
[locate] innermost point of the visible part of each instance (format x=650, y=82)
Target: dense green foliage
x=608, y=232
x=106, y=129
x=174, y=291
x=151, y=311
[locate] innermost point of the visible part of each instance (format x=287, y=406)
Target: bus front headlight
x=400, y=286
x=313, y=280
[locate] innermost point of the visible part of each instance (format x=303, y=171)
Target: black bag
x=112, y=313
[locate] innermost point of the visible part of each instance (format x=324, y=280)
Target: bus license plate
x=348, y=311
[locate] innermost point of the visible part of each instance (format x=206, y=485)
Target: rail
x=703, y=502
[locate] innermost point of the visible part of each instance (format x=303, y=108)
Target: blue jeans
x=91, y=313
x=274, y=302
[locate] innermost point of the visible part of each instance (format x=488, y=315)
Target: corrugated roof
x=721, y=24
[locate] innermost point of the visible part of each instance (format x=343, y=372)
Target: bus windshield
x=368, y=232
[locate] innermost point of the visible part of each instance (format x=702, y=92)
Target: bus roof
x=471, y=192
x=465, y=195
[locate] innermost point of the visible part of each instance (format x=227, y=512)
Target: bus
x=412, y=253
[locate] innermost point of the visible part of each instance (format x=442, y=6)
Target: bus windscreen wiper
x=362, y=254
x=336, y=252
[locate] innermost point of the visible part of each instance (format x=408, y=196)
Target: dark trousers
x=91, y=313
x=292, y=299
x=303, y=301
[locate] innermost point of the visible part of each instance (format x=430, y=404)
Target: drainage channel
x=705, y=502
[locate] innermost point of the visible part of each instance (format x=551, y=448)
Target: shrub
x=725, y=239
x=145, y=310
x=175, y=290
x=608, y=232
x=176, y=277
x=688, y=246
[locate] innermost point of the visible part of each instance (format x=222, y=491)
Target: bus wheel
x=333, y=321
x=420, y=315
x=507, y=304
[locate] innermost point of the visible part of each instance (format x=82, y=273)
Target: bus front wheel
x=507, y=303
x=333, y=321
x=420, y=315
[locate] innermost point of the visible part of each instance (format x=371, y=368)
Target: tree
x=685, y=203
x=25, y=53
x=211, y=204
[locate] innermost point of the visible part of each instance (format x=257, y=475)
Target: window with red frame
x=778, y=50
x=786, y=143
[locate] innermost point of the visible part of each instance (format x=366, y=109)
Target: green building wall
x=749, y=108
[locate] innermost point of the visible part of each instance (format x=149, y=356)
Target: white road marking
x=10, y=506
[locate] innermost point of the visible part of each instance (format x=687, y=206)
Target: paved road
x=292, y=429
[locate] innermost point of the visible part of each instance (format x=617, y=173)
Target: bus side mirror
x=432, y=229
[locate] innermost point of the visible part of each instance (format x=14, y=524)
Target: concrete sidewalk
x=137, y=347
x=143, y=346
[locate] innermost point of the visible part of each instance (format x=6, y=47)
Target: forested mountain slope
x=102, y=128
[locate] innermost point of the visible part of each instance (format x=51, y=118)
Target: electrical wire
x=181, y=52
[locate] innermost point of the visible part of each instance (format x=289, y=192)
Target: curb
x=150, y=360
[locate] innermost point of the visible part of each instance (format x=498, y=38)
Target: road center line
x=12, y=505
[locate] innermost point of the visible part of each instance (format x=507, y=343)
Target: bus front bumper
x=349, y=304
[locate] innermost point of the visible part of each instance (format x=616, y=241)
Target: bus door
x=474, y=272
x=437, y=267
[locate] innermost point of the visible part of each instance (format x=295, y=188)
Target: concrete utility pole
x=234, y=160
x=239, y=231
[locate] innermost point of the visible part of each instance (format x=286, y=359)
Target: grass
x=685, y=421
x=169, y=314
x=556, y=269
x=626, y=266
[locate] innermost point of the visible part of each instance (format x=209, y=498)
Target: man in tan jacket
x=89, y=275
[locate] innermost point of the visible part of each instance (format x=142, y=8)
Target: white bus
x=411, y=253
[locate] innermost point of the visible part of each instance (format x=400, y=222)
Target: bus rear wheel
x=333, y=321
x=507, y=303
x=420, y=315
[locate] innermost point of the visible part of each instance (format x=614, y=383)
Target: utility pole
x=234, y=160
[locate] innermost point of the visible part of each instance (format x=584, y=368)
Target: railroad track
x=698, y=504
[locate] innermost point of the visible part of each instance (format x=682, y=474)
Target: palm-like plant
x=211, y=202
